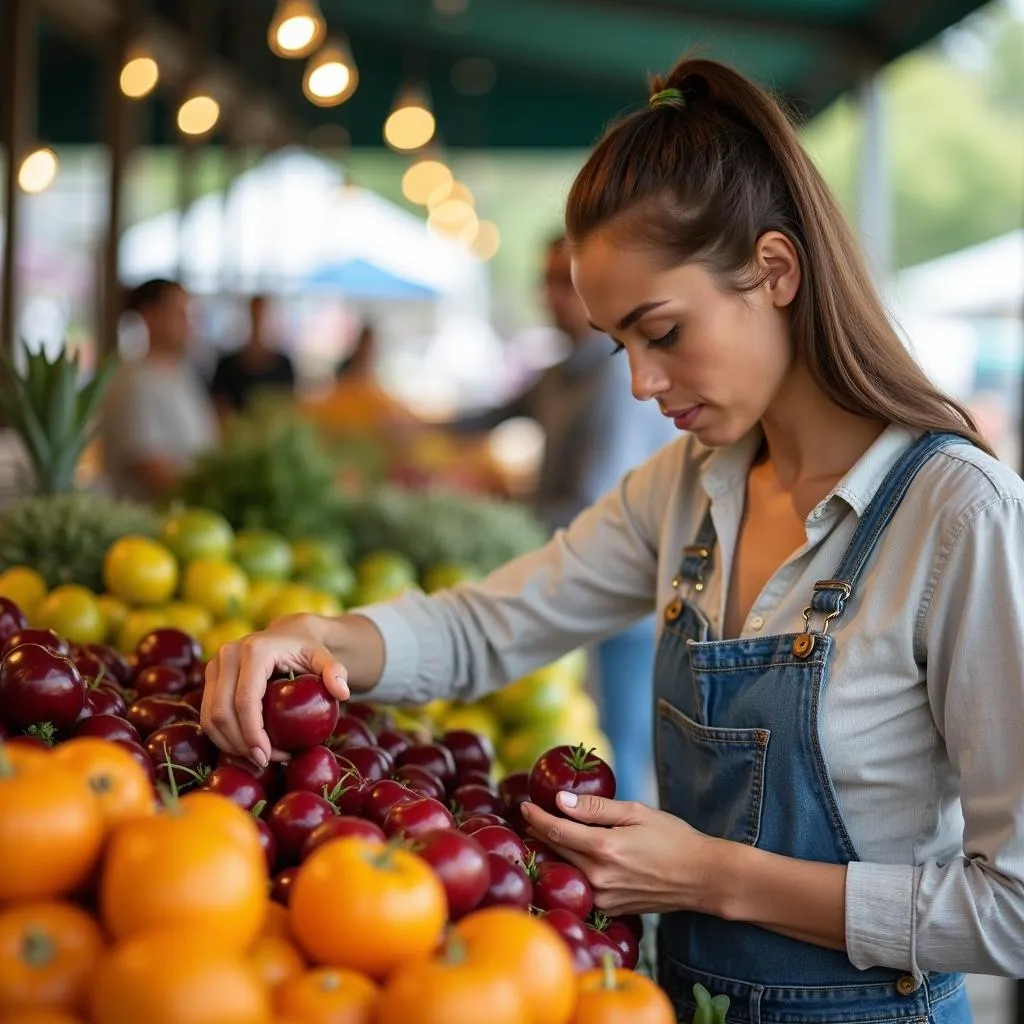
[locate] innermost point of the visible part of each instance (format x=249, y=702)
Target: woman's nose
x=649, y=380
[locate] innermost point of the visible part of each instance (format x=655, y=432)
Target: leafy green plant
x=710, y=1009
x=53, y=416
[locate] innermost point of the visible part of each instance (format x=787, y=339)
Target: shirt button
x=816, y=514
x=756, y=623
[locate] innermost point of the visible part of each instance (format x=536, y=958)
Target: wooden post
x=19, y=88
x=118, y=124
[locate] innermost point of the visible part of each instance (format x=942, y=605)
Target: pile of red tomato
x=378, y=877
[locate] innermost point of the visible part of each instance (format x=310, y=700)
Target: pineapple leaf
x=60, y=411
x=91, y=395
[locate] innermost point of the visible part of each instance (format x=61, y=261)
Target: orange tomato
x=196, y=865
x=111, y=775
x=275, y=923
x=42, y=1017
x=452, y=988
x=51, y=829
x=47, y=954
x=275, y=960
x=366, y=906
x=531, y=951
x=613, y=996
x=176, y=977
x=328, y=995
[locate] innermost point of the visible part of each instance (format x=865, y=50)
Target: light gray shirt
x=153, y=410
x=923, y=715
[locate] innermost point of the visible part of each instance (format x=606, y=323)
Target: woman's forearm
x=800, y=899
x=357, y=643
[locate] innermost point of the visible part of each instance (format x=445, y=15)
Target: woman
x=835, y=557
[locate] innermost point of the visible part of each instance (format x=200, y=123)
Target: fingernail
x=259, y=757
x=568, y=799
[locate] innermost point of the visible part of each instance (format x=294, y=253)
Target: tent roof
x=563, y=67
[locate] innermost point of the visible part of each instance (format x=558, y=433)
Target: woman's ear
x=778, y=263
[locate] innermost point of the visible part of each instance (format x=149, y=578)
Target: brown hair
x=703, y=172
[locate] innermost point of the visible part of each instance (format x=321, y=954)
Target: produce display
x=383, y=875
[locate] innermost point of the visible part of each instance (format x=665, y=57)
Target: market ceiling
x=501, y=73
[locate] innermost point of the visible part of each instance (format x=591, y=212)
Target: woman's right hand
x=236, y=680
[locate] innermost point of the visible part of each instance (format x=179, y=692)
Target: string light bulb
x=296, y=29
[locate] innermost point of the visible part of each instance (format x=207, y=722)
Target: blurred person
x=594, y=433
x=156, y=417
x=256, y=367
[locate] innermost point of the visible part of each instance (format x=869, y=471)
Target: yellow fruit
x=474, y=717
x=261, y=593
x=136, y=625
x=436, y=710
x=445, y=576
x=73, y=612
x=114, y=612
x=225, y=632
x=263, y=554
x=217, y=585
x=140, y=571
x=24, y=586
x=291, y=599
x=536, y=699
x=313, y=553
x=325, y=604
x=198, y=533
x=190, y=618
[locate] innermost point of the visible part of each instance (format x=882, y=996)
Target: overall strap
x=830, y=596
x=697, y=556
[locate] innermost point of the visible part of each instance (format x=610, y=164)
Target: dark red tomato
x=40, y=637
x=115, y=664
x=562, y=887
x=341, y=826
x=419, y=780
x=351, y=732
x=582, y=959
x=510, y=886
x=237, y=785
x=393, y=741
x=103, y=700
x=269, y=777
x=299, y=713
x=281, y=887
x=185, y=746
x=12, y=620
x=268, y=842
x=474, y=799
x=6, y=730
x=470, y=750
x=171, y=647
x=349, y=796
x=461, y=864
x=152, y=713
x=382, y=797
x=375, y=717
x=370, y=763
x=39, y=685
x=541, y=853
x=472, y=825
x=193, y=698
x=160, y=680
x=599, y=944
x=514, y=789
x=315, y=770
x=570, y=770
x=502, y=841
x=625, y=940
x=138, y=751
x=36, y=742
x=197, y=675
x=475, y=777
x=417, y=817
x=292, y=819
x=107, y=727
x=634, y=922
x=567, y=924
x=435, y=758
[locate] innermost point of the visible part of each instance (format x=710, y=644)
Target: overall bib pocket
x=724, y=787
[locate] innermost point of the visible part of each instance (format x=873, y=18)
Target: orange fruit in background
x=140, y=571
x=328, y=995
x=366, y=906
x=47, y=954
x=275, y=960
x=176, y=977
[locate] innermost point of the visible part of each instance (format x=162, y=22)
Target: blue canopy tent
x=360, y=279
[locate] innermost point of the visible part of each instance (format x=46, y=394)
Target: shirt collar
x=726, y=468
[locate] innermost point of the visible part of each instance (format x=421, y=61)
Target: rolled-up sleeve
x=965, y=913
x=589, y=581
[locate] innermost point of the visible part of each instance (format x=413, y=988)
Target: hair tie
x=672, y=96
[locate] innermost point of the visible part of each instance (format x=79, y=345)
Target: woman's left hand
x=637, y=860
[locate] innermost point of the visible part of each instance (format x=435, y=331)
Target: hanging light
x=423, y=179
x=411, y=123
x=140, y=74
x=446, y=191
x=198, y=115
x=37, y=171
x=331, y=75
x=296, y=29
x=487, y=241
x=455, y=218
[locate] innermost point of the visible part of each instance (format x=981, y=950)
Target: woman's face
x=713, y=360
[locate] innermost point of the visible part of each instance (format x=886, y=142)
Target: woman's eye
x=619, y=347
x=666, y=339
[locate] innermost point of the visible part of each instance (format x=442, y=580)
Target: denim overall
x=739, y=757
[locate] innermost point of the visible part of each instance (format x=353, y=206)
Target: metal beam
x=19, y=88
